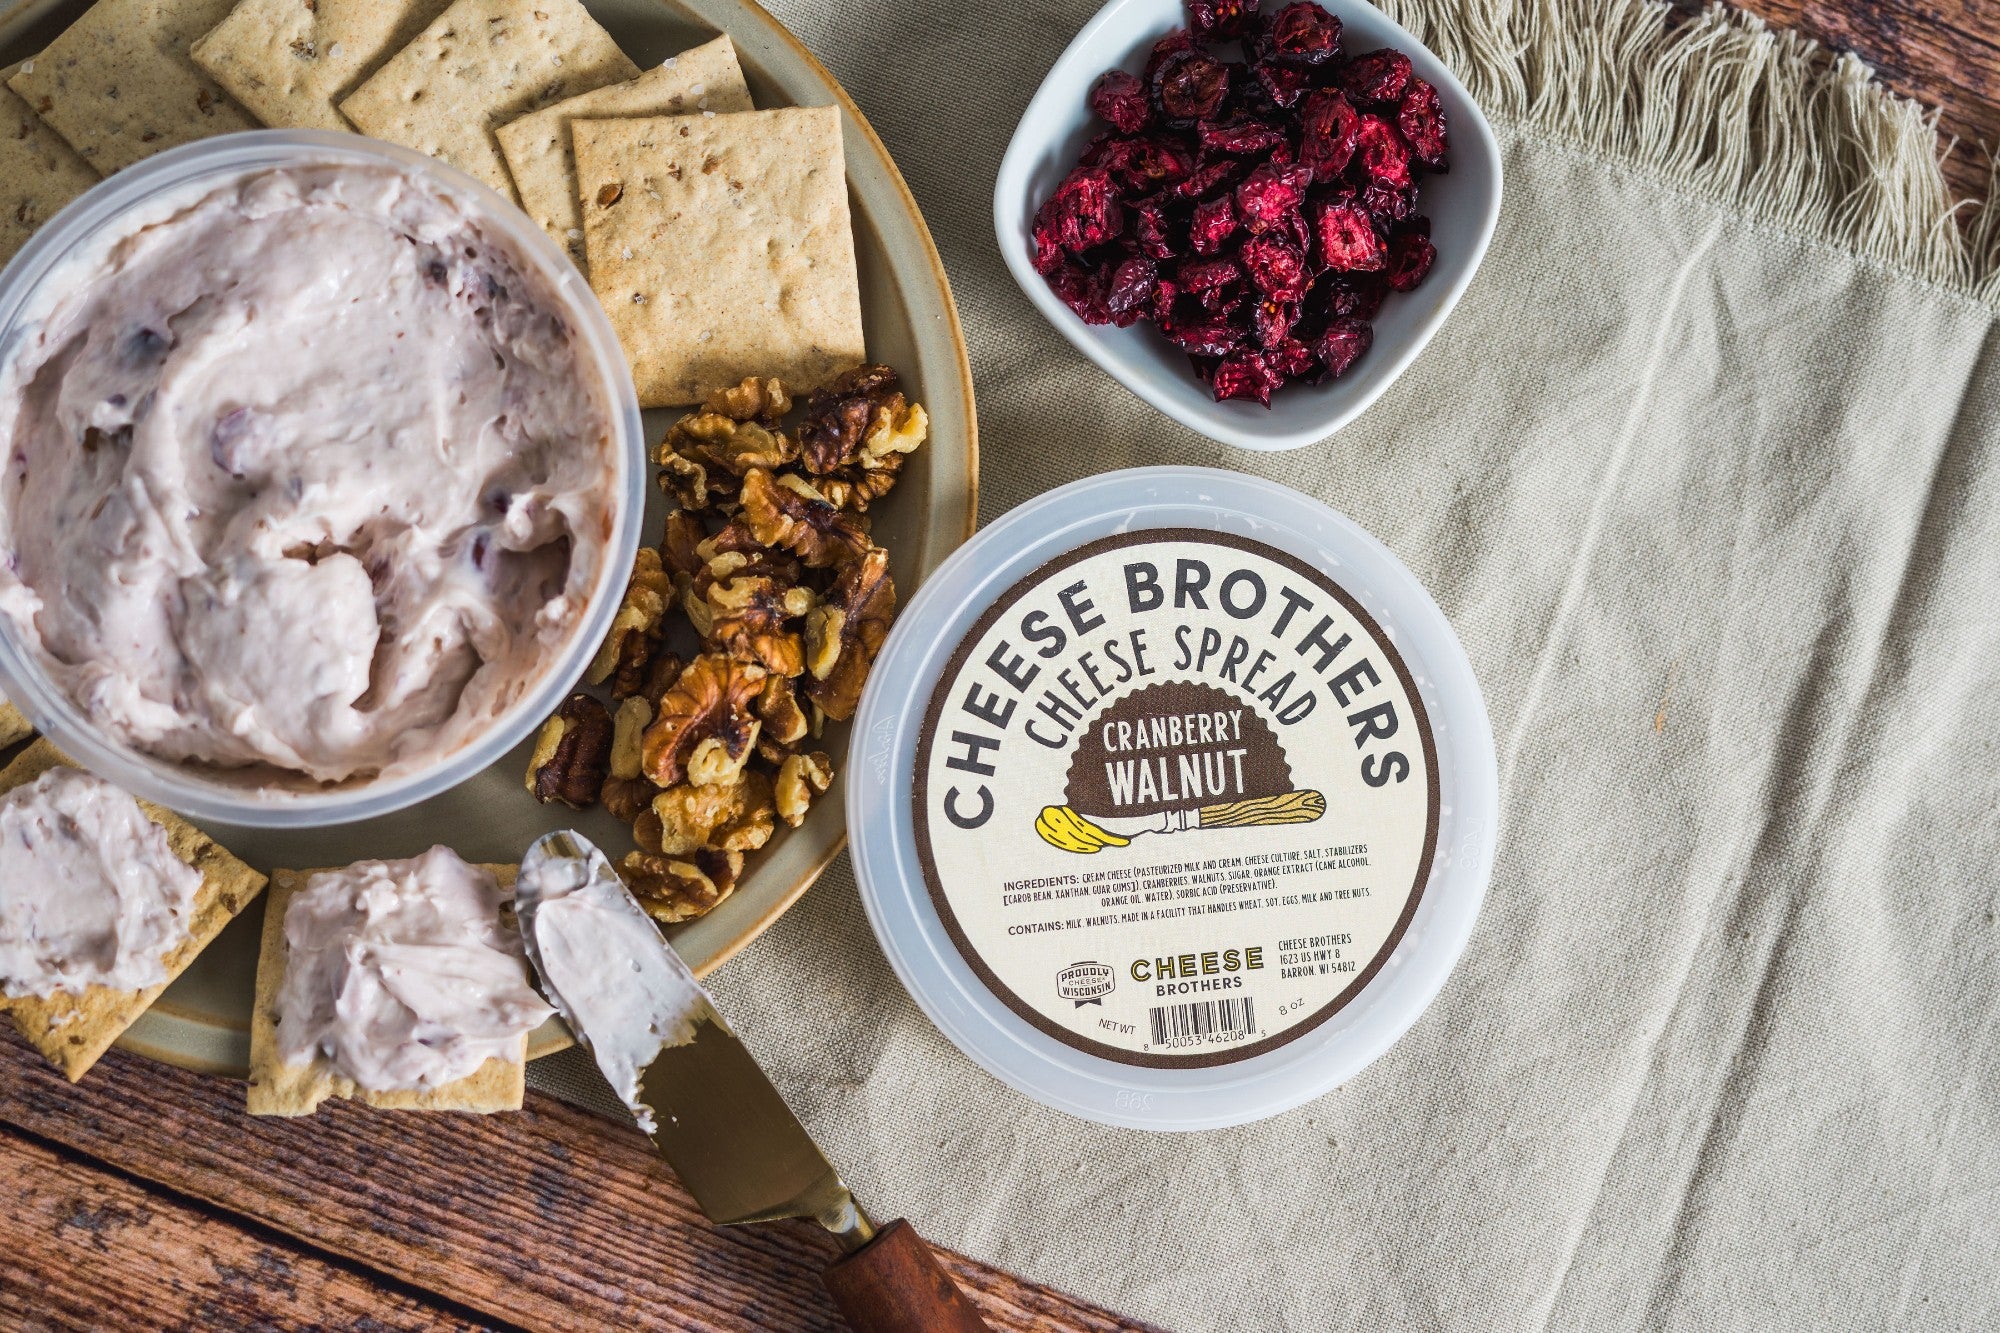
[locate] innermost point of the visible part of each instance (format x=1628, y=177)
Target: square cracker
x=478, y=65
x=537, y=146
x=118, y=84
x=74, y=1030
x=39, y=173
x=721, y=246
x=281, y=1089
x=289, y=61
x=14, y=724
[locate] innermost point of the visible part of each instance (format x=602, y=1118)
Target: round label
x=1176, y=798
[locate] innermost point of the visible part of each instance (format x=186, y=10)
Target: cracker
x=14, y=725
x=289, y=61
x=721, y=246
x=118, y=84
x=74, y=1030
x=478, y=65
x=39, y=173
x=281, y=1089
x=537, y=146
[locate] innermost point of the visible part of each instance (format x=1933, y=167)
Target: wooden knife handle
x=893, y=1285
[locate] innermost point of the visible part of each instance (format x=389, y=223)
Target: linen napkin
x=1704, y=472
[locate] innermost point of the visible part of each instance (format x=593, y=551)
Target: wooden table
x=146, y=1198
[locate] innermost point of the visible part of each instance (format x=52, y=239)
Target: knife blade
x=695, y=1089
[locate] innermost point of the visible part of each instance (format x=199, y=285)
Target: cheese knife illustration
x=692, y=1087
x=1062, y=827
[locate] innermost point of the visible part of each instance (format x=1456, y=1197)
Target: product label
x=1176, y=798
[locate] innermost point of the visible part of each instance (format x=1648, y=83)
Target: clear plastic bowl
x=210, y=793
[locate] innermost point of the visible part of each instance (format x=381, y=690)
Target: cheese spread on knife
x=307, y=470
x=401, y=974
x=91, y=893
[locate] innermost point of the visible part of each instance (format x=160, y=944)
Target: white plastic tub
x=1262, y=687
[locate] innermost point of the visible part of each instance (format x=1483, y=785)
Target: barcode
x=1176, y=1023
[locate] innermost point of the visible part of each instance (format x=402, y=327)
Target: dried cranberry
x=1153, y=232
x=1292, y=358
x=1220, y=300
x=1203, y=337
x=1211, y=177
x=1201, y=275
x=1269, y=193
x=1383, y=156
x=1121, y=98
x=1328, y=129
x=1190, y=86
x=1049, y=252
x=1130, y=290
x=1283, y=84
x=1069, y=282
x=1240, y=138
x=1421, y=119
x=1245, y=374
x=1175, y=42
x=1277, y=268
x=1143, y=165
x=1219, y=20
x=1214, y=222
x=1344, y=342
x=1304, y=33
x=1164, y=292
x=1271, y=320
x=1387, y=205
x=1084, y=211
x=1348, y=241
x=1410, y=256
x=1378, y=76
x=1369, y=290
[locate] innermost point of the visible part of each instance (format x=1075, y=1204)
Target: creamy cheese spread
x=401, y=973
x=91, y=894
x=620, y=986
x=309, y=470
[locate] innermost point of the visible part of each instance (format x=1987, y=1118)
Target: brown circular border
x=940, y=694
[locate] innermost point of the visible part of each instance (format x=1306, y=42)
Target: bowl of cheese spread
x=323, y=470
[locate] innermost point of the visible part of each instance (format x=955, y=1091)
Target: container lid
x=1175, y=799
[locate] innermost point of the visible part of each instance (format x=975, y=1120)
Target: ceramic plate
x=203, y=1020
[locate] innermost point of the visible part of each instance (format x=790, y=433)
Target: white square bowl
x=1461, y=204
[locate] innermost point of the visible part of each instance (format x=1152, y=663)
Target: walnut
x=856, y=487
x=786, y=512
x=800, y=778
x=843, y=414
x=845, y=632
x=573, y=753
x=628, y=726
x=705, y=454
x=747, y=618
x=703, y=728
x=674, y=889
x=784, y=721
x=635, y=630
x=628, y=799
x=752, y=400
x=732, y=817
x=678, y=554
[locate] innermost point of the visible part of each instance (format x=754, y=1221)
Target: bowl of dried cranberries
x=1254, y=216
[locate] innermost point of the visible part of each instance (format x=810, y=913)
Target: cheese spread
x=91, y=893
x=401, y=973
x=308, y=470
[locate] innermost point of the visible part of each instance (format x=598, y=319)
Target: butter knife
x=694, y=1089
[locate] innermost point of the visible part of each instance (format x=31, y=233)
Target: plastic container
x=1173, y=800
x=162, y=183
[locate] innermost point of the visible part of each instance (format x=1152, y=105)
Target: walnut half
x=705, y=725
x=572, y=754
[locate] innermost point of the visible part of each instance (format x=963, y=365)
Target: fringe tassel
x=1768, y=122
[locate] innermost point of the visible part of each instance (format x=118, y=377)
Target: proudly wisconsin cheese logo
x=1174, y=758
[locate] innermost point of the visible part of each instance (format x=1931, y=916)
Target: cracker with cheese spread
x=280, y=1089
x=289, y=61
x=478, y=65
x=722, y=247
x=537, y=146
x=39, y=173
x=119, y=85
x=73, y=1029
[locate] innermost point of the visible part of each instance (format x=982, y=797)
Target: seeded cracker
x=119, y=86
x=290, y=61
x=289, y=1090
x=14, y=725
x=39, y=173
x=478, y=65
x=721, y=248
x=72, y=1031
x=537, y=146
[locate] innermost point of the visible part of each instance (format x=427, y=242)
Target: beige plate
x=203, y=1020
